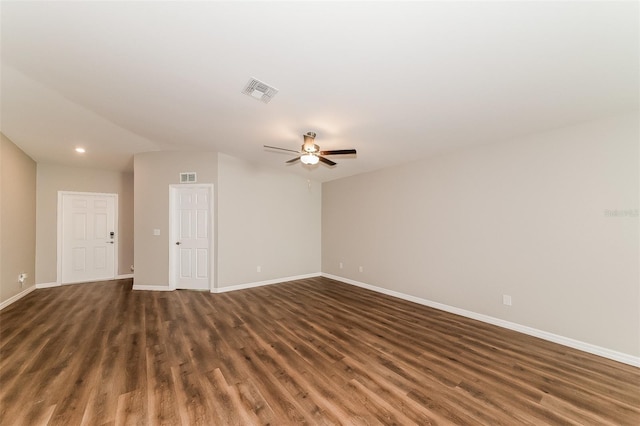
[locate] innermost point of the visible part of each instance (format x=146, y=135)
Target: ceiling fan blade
x=327, y=161
x=281, y=149
x=338, y=152
x=293, y=160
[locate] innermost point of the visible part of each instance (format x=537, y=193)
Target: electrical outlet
x=259, y=269
x=506, y=299
x=131, y=267
x=341, y=265
x=22, y=278
x=361, y=269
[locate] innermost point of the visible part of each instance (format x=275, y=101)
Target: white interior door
x=191, y=237
x=87, y=235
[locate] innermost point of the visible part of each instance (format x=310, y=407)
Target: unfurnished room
x=319, y=212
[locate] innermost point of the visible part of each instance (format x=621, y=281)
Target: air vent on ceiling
x=189, y=177
x=259, y=90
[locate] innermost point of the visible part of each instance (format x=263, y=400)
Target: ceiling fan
x=310, y=152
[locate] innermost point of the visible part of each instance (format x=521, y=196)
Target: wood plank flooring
x=313, y=351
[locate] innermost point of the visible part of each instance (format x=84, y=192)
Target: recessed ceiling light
x=80, y=150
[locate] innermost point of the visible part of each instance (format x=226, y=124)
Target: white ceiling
x=397, y=81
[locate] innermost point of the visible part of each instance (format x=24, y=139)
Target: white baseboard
x=17, y=297
x=566, y=341
x=232, y=287
x=54, y=284
x=262, y=283
x=47, y=285
x=152, y=287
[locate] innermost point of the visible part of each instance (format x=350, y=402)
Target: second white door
x=191, y=237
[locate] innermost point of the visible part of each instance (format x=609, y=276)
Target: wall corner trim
x=17, y=297
x=562, y=340
x=262, y=283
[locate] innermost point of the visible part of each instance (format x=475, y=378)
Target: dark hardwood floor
x=312, y=351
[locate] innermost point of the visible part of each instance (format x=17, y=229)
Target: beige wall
x=530, y=218
x=53, y=178
x=17, y=219
x=267, y=218
x=154, y=172
x=262, y=217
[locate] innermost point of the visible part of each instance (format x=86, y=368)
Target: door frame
x=59, y=238
x=173, y=231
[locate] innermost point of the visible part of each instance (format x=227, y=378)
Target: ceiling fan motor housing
x=309, y=145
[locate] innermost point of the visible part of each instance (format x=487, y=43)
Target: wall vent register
x=188, y=177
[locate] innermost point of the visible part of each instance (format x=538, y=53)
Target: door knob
x=110, y=242
x=178, y=243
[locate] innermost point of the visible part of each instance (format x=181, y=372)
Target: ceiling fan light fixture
x=309, y=159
